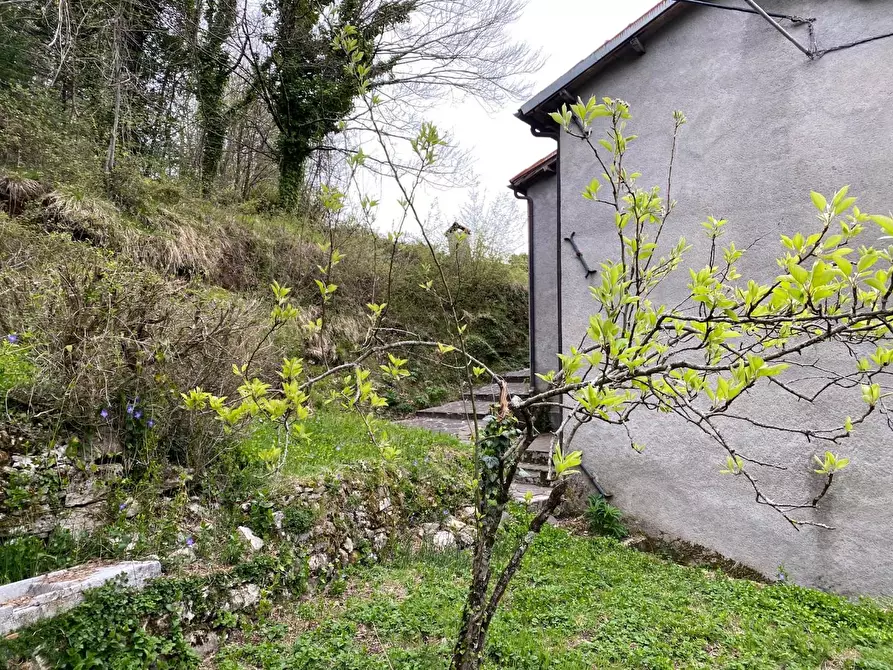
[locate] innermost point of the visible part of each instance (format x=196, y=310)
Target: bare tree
x=497, y=224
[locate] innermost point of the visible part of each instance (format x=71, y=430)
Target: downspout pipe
x=520, y=194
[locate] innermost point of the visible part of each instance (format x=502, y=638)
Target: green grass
x=578, y=603
x=341, y=438
x=15, y=368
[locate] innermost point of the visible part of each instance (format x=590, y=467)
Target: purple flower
x=122, y=506
x=130, y=409
x=189, y=541
x=12, y=338
x=151, y=423
x=137, y=414
x=104, y=413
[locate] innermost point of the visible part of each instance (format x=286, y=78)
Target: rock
x=343, y=556
x=131, y=508
x=430, y=528
x=278, y=518
x=185, y=554
x=379, y=541
x=444, y=539
x=318, y=562
x=94, y=489
x=467, y=513
x=204, y=642
x=252, y=540
x=106, y=445
x=197, y=510
x=40, y=527
x=23, y=462
x=348, y=545
x=465, y=537
x=84, y=519
x=85, y=493
x=384, y=504
x=635, y=541
x=244, y=597
x=453, y=524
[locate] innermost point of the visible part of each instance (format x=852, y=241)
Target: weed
x=604, y=518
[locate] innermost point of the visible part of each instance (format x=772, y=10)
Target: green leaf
x=884, y=222
x=819, y=201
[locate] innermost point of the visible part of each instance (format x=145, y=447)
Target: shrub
x=26, y=556
x=112, y=345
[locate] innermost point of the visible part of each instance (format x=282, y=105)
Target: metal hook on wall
x=579, y=255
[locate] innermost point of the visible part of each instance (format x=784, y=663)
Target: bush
x=482, y=350
x=113, y=345
x=26, y=556
x=605, y=519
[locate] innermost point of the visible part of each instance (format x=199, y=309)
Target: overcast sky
x=566, y=31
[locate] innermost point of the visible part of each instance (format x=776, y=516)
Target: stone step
x=31, y=600
x=538, y=495
x=540, y=450
x=459, y=409
x=533, y=473
x=541, y=443
x=536, y=457
x=460, y=428
x=491, y=392
x=517, y=376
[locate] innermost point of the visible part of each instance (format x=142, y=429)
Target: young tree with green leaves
x=726, y=337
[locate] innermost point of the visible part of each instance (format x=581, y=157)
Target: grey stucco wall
x=543, y=265
x=766, y=126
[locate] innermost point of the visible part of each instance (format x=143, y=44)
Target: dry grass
x=16, y=192
x=86, y=218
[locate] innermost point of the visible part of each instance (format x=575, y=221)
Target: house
x=782, y=97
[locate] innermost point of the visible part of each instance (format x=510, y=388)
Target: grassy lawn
x=341, y=438
x=578, y=603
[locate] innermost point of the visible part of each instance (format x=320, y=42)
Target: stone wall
x=48, y=482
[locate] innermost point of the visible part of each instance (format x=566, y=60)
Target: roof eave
x=543, y=168
x=588, y=66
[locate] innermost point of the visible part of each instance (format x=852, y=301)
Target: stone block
x=31, y=600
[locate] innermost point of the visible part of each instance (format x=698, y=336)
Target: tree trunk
x=479, y=608
x=472, y=632
x=113, y=135
x=293, y=155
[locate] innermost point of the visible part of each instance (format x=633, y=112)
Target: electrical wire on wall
x=812, y=51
